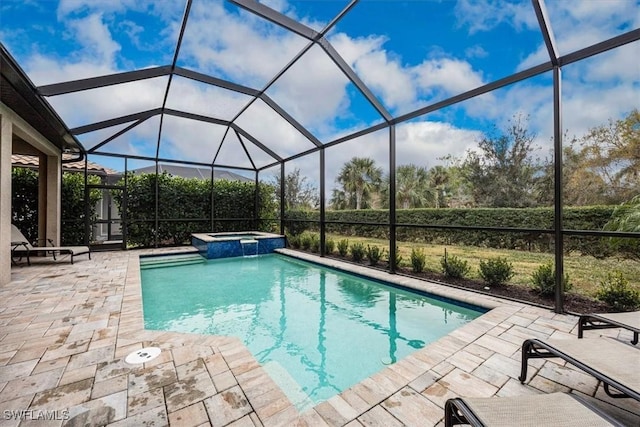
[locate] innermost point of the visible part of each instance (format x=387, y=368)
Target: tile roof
x=33, y=161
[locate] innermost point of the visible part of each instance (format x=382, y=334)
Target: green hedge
x=24, y=204
x=575, y=218
x=24, y=201
x=184, y=207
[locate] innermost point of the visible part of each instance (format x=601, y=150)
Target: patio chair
x=629, y=320
x=554, y=409
x=610, y=361
x=20, y=246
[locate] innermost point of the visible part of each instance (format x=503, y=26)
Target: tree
x=438, y=180
x=626, y=217
x=298, y=192
x=503, y=173
x=412, y=187
x=339, y=200
x=458, y=189
x=612, y=151
x=601, y=167
x=581, y=185
x=359, y=178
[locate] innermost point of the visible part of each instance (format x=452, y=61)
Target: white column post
x=54, y=203
x=6, y=132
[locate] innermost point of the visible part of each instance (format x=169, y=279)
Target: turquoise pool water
x=317, y=331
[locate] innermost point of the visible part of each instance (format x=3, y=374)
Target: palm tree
x=339, y=199
x=438, y=179
x=360, y=177
x=412, y=187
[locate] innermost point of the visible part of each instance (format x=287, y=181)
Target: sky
x=409, y=54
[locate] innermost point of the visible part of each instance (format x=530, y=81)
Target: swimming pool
x=317, y=331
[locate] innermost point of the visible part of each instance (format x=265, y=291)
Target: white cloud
x=451, y=76
x=165, y=9
x=82, y=108
x=193, y=97
x=313, y=91
x=425, y=142
x=95, y=57
x=388, y=78
x=379, y=69
x=607, y=13
x=189, y=140
x=132, y=30
x=67, y=7
x=403, y=87
x=353, y=48
x=480, y=15
x=475, y=51
x=95, y=37
x=620, y=65
x=577, y=24
x=602, y=87
x=288, y=9
x=242, y=47
x=268, y=127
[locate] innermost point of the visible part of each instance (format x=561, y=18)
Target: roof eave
x=20, y=95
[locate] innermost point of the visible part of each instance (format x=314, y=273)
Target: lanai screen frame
x=554, y=64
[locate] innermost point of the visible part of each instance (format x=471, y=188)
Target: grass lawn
x=585, y=272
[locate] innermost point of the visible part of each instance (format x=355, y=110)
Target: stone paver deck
x=66, y=329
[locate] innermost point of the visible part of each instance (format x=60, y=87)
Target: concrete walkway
x=65, y=330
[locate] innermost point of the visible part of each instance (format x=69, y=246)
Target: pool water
x=316, y=331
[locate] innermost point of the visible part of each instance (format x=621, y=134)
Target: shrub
x=305, y=241
x=616, y=291
x=544, y=280
x=398, y=257
x=418, y=260
x=294, y=241
x=357, y=251
x=454, y=267
x=496, y=271
x=329, y=246
x=356, y=224
x=374, y=253
x=315, y=243
x=343, y=247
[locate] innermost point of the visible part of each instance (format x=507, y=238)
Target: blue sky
x=409, y=53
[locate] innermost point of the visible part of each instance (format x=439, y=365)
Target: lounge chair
x=554, y=409
x=610, y=361
x=630, y=321
x=20, y=246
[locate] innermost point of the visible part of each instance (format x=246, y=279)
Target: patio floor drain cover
x=143, y=356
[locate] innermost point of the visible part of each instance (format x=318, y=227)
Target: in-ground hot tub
x=241, y=243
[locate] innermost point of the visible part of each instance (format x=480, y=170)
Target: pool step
x=170, y=261
x=291, y=388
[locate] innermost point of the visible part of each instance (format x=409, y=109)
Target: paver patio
x=66, y=329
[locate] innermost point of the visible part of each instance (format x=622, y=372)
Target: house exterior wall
x=12, y=124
